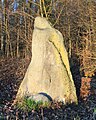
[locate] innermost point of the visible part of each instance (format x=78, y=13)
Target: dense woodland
x=76, y=20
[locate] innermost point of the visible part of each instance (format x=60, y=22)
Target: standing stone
x=49, y=70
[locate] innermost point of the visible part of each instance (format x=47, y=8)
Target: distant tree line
x=76, y=19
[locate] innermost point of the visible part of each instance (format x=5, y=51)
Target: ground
x=12, y=71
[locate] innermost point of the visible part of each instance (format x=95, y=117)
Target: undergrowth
x=30, y=104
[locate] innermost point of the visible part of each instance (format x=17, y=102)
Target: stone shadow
x=75, y=70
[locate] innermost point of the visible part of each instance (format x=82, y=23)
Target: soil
x=12, y=71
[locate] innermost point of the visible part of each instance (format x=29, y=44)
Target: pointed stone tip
x=41, y=23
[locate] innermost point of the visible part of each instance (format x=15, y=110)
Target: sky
x=2, y=1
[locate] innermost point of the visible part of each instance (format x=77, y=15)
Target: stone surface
x=49, y=70
x=41, y=97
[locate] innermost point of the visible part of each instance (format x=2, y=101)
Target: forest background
x=75, y=19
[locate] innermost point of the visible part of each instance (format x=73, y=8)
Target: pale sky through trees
x=66, y=16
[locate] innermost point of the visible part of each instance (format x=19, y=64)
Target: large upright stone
x=49, y=70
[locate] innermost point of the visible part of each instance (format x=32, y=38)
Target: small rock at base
x=41, y=97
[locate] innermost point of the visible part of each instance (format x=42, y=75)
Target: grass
x=30, y=104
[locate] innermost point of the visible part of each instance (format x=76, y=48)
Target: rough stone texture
x=49, y=70
x=41, y=97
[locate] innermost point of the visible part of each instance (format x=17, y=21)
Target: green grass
x=29, y=104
